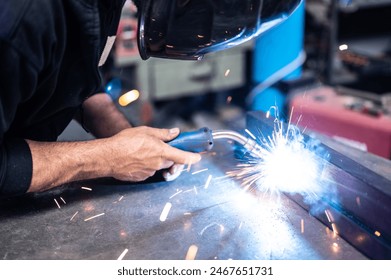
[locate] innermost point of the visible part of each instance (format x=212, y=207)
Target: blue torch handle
x=194, y=141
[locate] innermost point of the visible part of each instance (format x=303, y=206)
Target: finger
x=179, y=156
x=170, y=177
x=163, y=134
x=173, y=172
x=176, y=168
x=167, y=164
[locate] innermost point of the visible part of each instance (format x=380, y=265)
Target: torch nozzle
x=249, y=144
x=203, y=140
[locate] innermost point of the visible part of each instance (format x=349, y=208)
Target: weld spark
x=123, y=254
x=166, y=210
x=74, y=215
x=175, y=194
x=288, y=164
x=58, y=205
x=199, y=171
x=191, y=252
x=208, y=182
x=93, y=217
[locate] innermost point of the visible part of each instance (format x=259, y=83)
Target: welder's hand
x=137, y=153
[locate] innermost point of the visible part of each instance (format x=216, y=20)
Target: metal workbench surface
x=207, y=216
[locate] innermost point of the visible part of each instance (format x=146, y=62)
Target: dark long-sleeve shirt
x=50, y=52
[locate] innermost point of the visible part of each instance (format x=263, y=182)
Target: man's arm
x=133, y=154
x=101, y=117
x=124, y=153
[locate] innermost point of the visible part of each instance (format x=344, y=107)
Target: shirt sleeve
x=15, y=168
x=17, y=79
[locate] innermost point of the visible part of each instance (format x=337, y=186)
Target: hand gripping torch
x=203, y=139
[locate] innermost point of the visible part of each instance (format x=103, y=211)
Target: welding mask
x=189, y=29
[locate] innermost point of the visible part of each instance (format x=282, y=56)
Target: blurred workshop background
x=327, y=68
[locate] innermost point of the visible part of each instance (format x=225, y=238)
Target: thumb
x=165, y=134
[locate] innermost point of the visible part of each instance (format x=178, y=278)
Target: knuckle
x=143, y=127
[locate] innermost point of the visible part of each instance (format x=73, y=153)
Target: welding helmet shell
x=189, y=29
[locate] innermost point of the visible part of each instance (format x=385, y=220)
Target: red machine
x=335, y=113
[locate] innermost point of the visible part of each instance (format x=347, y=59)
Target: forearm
x=101, y=117
x=57, y=163
x=131, y=155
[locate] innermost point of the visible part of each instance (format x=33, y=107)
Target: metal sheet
x=209, y=213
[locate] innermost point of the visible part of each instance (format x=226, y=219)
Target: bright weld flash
x=286, y=164
x=128, y=97
x=288, y=167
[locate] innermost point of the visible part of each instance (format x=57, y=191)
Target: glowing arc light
x=287, y=163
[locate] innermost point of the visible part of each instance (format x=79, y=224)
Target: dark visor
x=188, y=29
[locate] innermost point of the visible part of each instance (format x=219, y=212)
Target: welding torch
x=203, y=140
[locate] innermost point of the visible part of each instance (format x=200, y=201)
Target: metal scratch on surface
x=178, y=192
x=211, y=225
x=193, y=189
